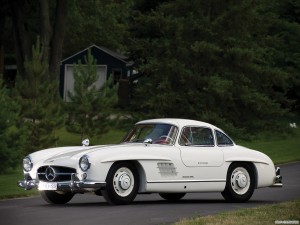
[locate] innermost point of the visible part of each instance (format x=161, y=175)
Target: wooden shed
x=108, y=63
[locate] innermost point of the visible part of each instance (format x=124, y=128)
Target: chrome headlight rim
x=84, y=163
x=27, y=164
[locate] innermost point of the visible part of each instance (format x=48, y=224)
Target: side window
x=223, y=139
x=201, y=136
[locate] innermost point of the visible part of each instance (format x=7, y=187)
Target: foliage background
x=216, y=61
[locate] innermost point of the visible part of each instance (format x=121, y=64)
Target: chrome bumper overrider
x=277, y=179
x=73, y=185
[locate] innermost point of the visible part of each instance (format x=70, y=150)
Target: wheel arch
x=140, y=170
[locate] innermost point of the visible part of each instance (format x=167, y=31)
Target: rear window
x=223, y=139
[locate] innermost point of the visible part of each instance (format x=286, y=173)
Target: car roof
x=178, y=122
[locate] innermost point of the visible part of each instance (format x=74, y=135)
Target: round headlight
x=27, y=164
x=84, y=163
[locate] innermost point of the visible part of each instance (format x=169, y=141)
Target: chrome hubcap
x=240, y=180
x=123, y=182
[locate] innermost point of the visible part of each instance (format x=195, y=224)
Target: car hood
x=53, y=155
x=67, y=155
x=70, y=153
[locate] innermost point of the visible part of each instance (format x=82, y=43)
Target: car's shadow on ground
x=156, y=202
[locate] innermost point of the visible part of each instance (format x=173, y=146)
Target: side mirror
x=85, y=142
x=148, y=141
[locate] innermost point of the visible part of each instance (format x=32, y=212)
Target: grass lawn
x=9, y=188
x=268, y=214
x=279, y=149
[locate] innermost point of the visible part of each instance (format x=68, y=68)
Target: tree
x=105, y=22
x=284, y=20
x=211, y=61
x=11, y=138
x=41, y=109
x=90, y=107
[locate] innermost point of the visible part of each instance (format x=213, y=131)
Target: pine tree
x=89, y=107
x=41, y=107
x=11, y=138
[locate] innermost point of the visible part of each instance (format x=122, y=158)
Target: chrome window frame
x=212, y=133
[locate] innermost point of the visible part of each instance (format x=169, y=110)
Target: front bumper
x=74, y=185
x=277, y=179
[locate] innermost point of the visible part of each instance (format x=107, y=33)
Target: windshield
x=152, y=133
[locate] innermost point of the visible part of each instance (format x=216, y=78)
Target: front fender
x=125, y=157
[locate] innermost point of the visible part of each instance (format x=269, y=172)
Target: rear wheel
x=240, y=183
x=122, y=184
x=54, y=197
x=172, y=197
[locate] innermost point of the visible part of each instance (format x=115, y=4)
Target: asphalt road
x=145, y=210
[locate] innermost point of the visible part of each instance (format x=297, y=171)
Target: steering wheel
x=164, y=140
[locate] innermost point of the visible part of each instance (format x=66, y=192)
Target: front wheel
x=240, y=183
x=53, y=197
x=172, y=197
x=122, y=184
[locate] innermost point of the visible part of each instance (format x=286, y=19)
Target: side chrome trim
x=186, y=181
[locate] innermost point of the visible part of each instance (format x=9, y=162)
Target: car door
x=198, y=148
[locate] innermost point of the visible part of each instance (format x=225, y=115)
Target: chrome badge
x=50, y=174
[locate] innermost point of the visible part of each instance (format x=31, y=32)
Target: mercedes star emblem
x=50, y=173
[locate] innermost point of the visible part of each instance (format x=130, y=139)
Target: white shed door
x=69, y=79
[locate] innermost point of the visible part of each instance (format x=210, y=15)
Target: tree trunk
x=58, y=37
x=22, y=42
x=45, y=31
x=2, y=21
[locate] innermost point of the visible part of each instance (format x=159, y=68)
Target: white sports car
x=171, y=157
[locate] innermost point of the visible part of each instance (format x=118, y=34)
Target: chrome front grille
x=55, y=173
